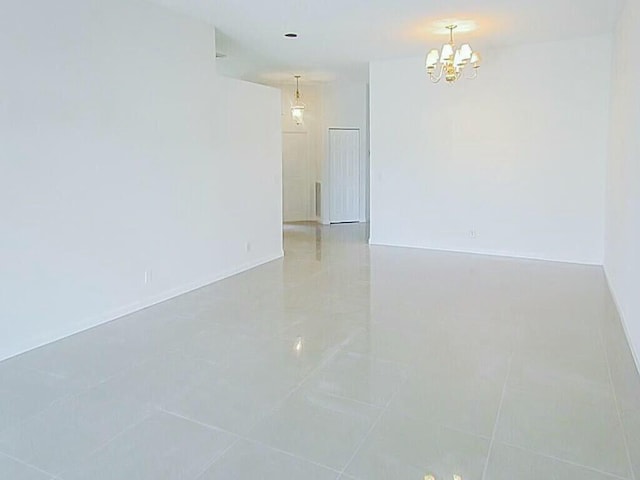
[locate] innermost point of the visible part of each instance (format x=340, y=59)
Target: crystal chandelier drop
x=297, y=109
x=452, y=61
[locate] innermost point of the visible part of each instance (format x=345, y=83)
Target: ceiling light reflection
x=441, y=27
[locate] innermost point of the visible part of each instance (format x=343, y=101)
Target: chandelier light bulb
x=297, y=113
x=465, y=52
x=457, y=60
x=432, y=58
x=447, y=52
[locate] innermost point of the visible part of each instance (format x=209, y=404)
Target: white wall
x=622, y=255
x=121, y=151
x=511, y=163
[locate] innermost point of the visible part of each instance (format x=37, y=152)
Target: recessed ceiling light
x=291, y=35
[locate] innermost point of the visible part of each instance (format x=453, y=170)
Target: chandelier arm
x=474, y=75
x=437, y=78
x=297, y=87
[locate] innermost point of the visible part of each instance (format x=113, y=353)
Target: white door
x=297, y=190
x=344, y=175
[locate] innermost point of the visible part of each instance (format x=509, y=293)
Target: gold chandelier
x=452, y=61
x=297, y=109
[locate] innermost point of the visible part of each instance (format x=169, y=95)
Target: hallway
x=341, y=361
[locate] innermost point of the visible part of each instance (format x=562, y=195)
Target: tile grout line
x=562, y=460
x=362, y=442
x=336, y=351
x=495, y=425
x=279, y=404
x=339, y=348
x=81, y=390
x=26, y=464
x=214, y=460
x=617, y=402
x=108, y=441
x=353, y=400
x=373, y=426
x=323, y=363
x=241, y=437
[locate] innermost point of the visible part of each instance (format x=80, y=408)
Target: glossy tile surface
x=162, y=447
x=407, y=446
x=14, y=470
x=70, y=429
x=319, y=427
x=586, y=431
x=247, y=460
x=341, y=361
x=509, y=463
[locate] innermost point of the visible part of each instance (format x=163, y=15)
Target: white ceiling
x=339, y=37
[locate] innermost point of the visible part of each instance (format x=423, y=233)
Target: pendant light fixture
x=297, y=109
x=452, y=61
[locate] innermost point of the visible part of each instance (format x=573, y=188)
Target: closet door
x=344, y=175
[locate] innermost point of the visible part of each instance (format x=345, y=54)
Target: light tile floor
x=341, y=361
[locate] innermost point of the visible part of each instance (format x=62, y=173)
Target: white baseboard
x=124, y=310
x=490, y=253
x=634, y=354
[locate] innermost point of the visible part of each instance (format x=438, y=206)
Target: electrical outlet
x=148, y=277
x=473, y=234
x=247, y=247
